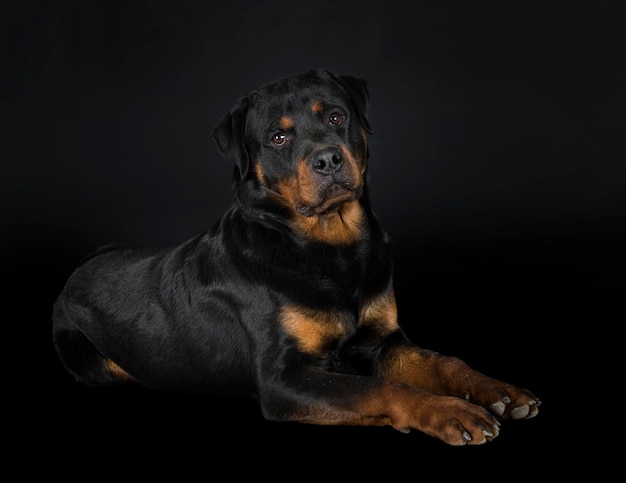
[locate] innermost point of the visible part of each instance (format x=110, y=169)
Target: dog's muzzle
x=336, y=179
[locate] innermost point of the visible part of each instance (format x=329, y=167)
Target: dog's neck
x=341, y=226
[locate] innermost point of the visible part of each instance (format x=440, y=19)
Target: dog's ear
x=358, y=91
x=229, y=136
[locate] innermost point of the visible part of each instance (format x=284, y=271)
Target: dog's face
x=301, y=141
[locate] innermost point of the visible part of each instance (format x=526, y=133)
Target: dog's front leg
x=450, y=376
x=388, y=353
x=310, y=395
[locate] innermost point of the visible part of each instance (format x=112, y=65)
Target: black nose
x=327, y=161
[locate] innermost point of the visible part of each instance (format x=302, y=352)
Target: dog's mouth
x=322, y=184
x=330, y=200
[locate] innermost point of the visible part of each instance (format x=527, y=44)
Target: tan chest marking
x=381, y=312
x=340, y=227
x=314, y=330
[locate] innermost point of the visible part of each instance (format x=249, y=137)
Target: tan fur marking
x=299, y=189
x=259, y=174
x=312, y=329
x=285, y=122
x=317, y=107
x=415, y=367
x=305, y=189
x=381, y=312
x=117, y=371
x=340, y=227
x=356, y=165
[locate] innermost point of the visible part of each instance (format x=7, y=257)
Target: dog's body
x=289, y=297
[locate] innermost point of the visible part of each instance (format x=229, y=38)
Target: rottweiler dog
x=289, y=297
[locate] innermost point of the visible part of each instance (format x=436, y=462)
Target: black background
x=497, y=167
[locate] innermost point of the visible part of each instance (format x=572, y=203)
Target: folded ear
x=229, y=136
x=358, y=91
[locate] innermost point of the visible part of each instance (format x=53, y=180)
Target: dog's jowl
x=289, y=296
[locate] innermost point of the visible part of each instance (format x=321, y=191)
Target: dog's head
x=301, y=141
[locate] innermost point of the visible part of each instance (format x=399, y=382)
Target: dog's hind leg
x=81, y=358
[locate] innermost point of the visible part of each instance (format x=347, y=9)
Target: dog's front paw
x=506, y=400
x=525, y=407
x=458, y=422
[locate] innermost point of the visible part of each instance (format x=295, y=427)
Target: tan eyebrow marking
x=285, y=122
x=317, y=107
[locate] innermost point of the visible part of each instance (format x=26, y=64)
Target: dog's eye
x=336, y=119
x=279, y=139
